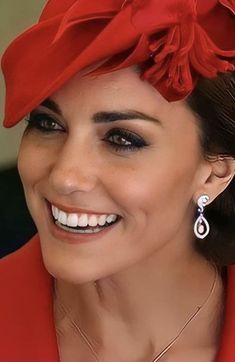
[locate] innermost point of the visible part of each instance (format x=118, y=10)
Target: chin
x=71, y=267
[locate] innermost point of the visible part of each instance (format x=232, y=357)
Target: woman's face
x=110, y=145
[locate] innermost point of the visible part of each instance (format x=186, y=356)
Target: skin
x=150, y=252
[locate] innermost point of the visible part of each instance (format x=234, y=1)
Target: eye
x=123, y=140
x=43, y=122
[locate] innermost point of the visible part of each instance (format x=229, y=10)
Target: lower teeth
x=79, y=231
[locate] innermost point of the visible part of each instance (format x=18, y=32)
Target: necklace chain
x=168, y=346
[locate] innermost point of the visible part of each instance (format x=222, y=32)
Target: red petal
x=206, y=57
x=53, y=8
x=230, y=4
x=172, y=59
x=80, y=12
x=155, y=15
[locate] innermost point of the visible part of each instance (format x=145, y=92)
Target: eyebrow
x=53, y=106
x=106, y=116
x=113, y=116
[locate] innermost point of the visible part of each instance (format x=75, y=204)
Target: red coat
x=26, y=310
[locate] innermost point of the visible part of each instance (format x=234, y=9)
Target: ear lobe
x=222, y=173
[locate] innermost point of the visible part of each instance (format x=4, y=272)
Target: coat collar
x=26, y=309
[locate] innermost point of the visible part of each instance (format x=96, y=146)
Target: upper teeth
x=82, y=220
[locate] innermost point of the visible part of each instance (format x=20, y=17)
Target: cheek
x=153, y=192
x=34, y=161
x=26, y=161
x=33, y=165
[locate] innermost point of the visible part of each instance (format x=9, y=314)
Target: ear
x=222, y=171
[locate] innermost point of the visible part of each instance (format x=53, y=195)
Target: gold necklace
x=168, y=346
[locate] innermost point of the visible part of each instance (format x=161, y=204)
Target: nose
x=74, y=169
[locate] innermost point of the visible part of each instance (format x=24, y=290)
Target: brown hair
x=213, y=101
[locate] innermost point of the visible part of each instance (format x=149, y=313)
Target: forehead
x=124, y=82
x=119, y=90
x=122, y=88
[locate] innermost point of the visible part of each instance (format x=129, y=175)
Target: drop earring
x=201, y=226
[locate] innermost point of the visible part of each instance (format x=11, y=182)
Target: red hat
x=176, y=41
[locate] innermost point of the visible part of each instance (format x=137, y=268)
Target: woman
x=127, y=163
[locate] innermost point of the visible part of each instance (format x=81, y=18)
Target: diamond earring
x=201, y=226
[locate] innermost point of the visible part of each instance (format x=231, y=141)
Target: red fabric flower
x=184, y=51
x=176, y=41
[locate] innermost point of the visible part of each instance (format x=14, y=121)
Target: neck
x=137, y=303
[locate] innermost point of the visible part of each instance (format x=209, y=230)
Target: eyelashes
x=120, y=139
x=43, y=123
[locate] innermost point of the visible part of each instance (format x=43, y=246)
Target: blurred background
x=16, y=226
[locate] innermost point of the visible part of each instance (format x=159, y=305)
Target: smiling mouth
x=82, y=223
